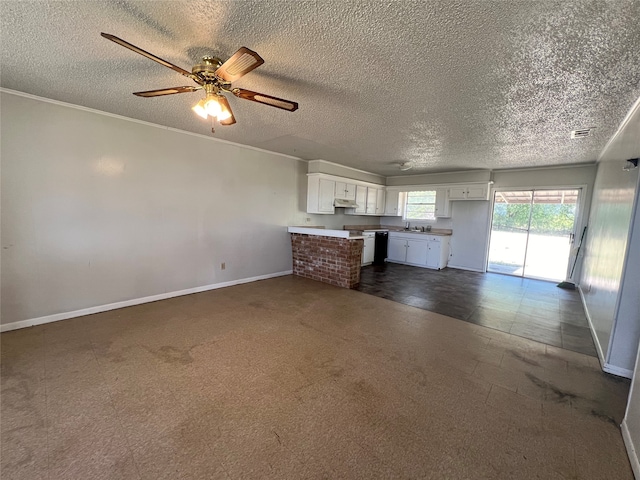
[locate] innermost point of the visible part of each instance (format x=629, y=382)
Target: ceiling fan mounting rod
x=211, y=89
x=206, y=70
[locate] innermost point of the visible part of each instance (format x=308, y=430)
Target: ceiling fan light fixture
x=404, y=166
x=225, y=113
x=212, y=106
x=213, y=76
x=199, y=109
x=215, y=106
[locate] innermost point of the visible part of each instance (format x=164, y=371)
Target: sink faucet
x=407, y=226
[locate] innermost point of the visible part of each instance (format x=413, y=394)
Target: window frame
x=407, y=203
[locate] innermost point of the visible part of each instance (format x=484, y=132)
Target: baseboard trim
x=593, y=331
x=631, y=450
x=135, y=301
x=620, y=372
x=606, y=367
x=466, y=268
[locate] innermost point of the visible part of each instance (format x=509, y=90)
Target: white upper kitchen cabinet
x=479, y=191
x=380, y=202
x=324, y=189
x=443, y=205
x=320, y=195
x=346, y=191
x=361, y=200
x=392, y=204
x=372, y=199
x=457, y=193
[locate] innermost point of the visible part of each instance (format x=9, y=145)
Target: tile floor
x=532, y=309
x=289, y=378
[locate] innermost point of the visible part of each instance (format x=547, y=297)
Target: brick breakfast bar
x=330, y=256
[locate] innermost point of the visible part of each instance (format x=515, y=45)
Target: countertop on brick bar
x=324, y=232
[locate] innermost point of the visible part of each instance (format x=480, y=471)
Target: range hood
x=338, y=202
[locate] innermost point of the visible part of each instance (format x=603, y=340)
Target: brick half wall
x=327, y=259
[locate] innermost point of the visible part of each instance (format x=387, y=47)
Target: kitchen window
x=420, y=205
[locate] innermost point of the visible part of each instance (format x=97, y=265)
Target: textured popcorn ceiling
x=448, y=85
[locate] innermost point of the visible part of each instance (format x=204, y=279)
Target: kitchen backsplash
x=337, y=220
x=399, y=222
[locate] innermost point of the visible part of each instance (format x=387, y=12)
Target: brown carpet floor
x=291, y=378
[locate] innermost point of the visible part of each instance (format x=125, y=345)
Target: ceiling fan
x=213, y=76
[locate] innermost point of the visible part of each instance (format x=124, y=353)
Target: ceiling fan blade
x=226, y=107
x=266, y=99
x=166, y=91
x=144, y=53
x=241, y=63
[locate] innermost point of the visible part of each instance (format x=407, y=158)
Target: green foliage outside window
x=545, y=218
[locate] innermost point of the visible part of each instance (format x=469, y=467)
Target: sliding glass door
x=532, y=232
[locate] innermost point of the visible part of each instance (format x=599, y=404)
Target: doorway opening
x=532, y=232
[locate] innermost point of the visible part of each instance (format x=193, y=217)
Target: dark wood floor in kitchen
x=532, y=309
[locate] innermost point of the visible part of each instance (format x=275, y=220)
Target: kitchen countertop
x=325, y=232
x=445, y=232
x=438, y=232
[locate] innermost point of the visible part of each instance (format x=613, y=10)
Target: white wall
x=330, y=168
x=625, y=324
x=98, y=210
x=470, y=226
x=626, y=330
x=605, y=258
x=552, y=176
x=445, y=177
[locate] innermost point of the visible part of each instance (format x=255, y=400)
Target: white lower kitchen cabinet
x=411, y=251
x=396, y=249
x=418, y=249
x=369, y=248
x=438, y=254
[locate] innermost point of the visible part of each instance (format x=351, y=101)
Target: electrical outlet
x=308, y=220
x=223, y=266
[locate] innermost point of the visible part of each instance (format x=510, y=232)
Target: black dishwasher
x=380, y=252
